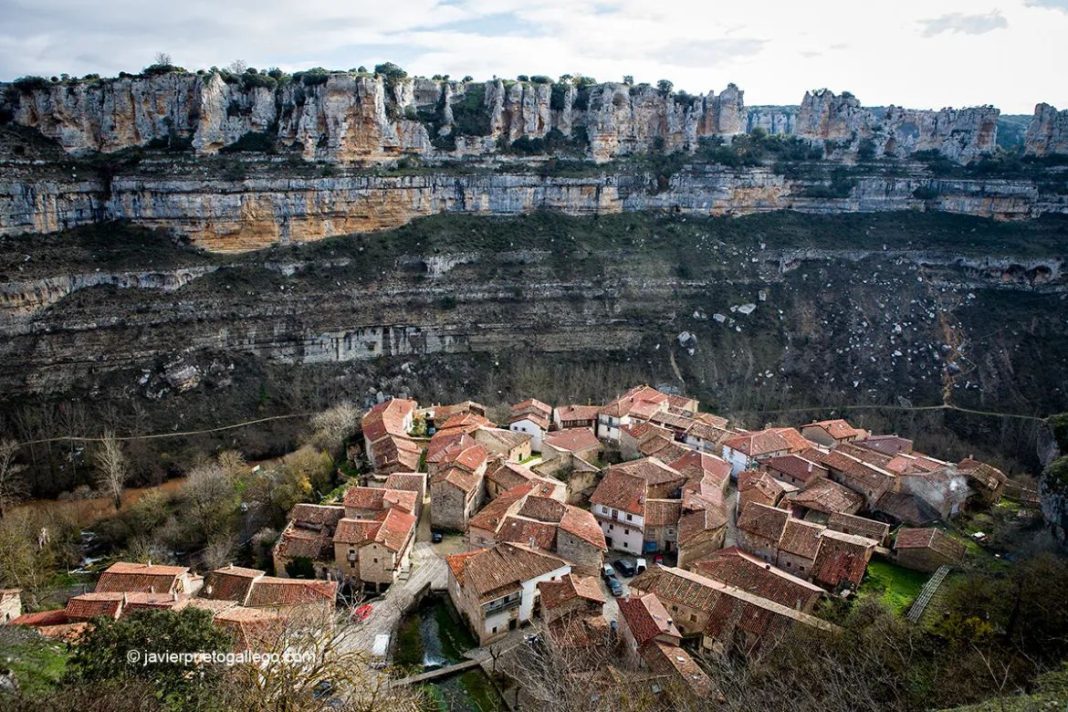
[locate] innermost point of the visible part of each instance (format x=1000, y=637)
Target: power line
x=915, y=408
x=159, y=436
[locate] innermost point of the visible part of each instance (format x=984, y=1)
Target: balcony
x=501, y=604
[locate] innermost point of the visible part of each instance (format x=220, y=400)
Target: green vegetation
x=894, y=586
x=102, y=655
x=261, y=141
x=38, y=663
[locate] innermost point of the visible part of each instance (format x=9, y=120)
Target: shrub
x=541, y=79
x=390, y=71
x=665, y=86
x=31, y=83
x=925, y=192
x=866, y=150
x=558, y=97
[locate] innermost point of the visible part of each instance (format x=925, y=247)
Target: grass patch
x=37, y=662
x=894, y=586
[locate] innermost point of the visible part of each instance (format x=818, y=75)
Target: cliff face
x=962, y=135
x=345, y=117
x=1048, y=132
x=270, y=203
x=848, y=309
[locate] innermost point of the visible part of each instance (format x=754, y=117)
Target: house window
x=630, y=518
x=376, y=561
x=611, y=527
x=674, y=607
x=693, y=618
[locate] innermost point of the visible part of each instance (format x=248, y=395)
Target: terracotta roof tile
x=92, y=605
x=737, y=568
x=573, y=413
x=646, y=618
x=271, y=592
x=763, y=521
x=398, y=526
x=842, y=558
x=124, y=576
x=696, y=523
x=582, y=524
x=573, y=440
x=694, y=464
x=490, y=573
x=489, y=518
x=797, y=467
x=852, y=524
x=826, y=496
x=231, y=583
x=801, y=538
x=618, y=490
x=662, y=512
x=930, y=538
x=533, y=533
x=556, y=593
x=544, y=509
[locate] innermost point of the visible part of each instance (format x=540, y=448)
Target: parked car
x=624, y=567
x=436, y=537
x=607, y=572
x=615, y=587
x=640, y=565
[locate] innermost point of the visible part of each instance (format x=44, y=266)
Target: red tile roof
x=862, y=526
x=356, y=531
x=545, y=509
x=582, y=524
x=489, y=518
x=671, y=659
x=763, y=521
x=387, y=418
x=556, y=593
x=92, y=605
x=533, y=533
x=826, y=496
x=696, y=523
x=737, y=568
x=796, y=467
x=772, y=441
x=619, y=490
x=124, y=576
x=695, y=464
x=801, y=538
x=759, y=486
x=650, y=469
x=508, y=474
x=42, y=618
x=572, y=413
x=573, y=440
x=398, y=526
x=490, y=573
x=646, y=618
x=930, y=538
x=838, y=428
x=662, y=512
x=230, y=583
x=888, y=444
x=842, y=558
x=311, y=516
x=271, y=592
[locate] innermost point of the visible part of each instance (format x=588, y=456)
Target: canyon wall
x=268, y=206
x=1048, y=132
x=347, y=117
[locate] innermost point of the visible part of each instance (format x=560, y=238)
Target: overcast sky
x=916, y=53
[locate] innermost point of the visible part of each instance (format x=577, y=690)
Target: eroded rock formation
x=1048, y=132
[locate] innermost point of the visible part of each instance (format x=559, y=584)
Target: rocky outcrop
x=774, y=120
x=1047, y=133
x=346, y=117
x=962, y=135
x=827, y=116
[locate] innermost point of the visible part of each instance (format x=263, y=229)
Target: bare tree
x=333, y=426
x=232, y=462
x=13, y=485
x=219, y=552
x=111, y=469
x=238, y=66
x=315, y=663
x=162, y=58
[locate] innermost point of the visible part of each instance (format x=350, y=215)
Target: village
x=638, y=539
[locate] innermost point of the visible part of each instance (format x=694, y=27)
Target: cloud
x=709, y=53
x=964, y=24
x=1061, y=5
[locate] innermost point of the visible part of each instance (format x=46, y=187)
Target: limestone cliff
x=962, y=135
x=1047, y=133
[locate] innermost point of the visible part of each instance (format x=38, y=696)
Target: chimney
x=810, y=467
